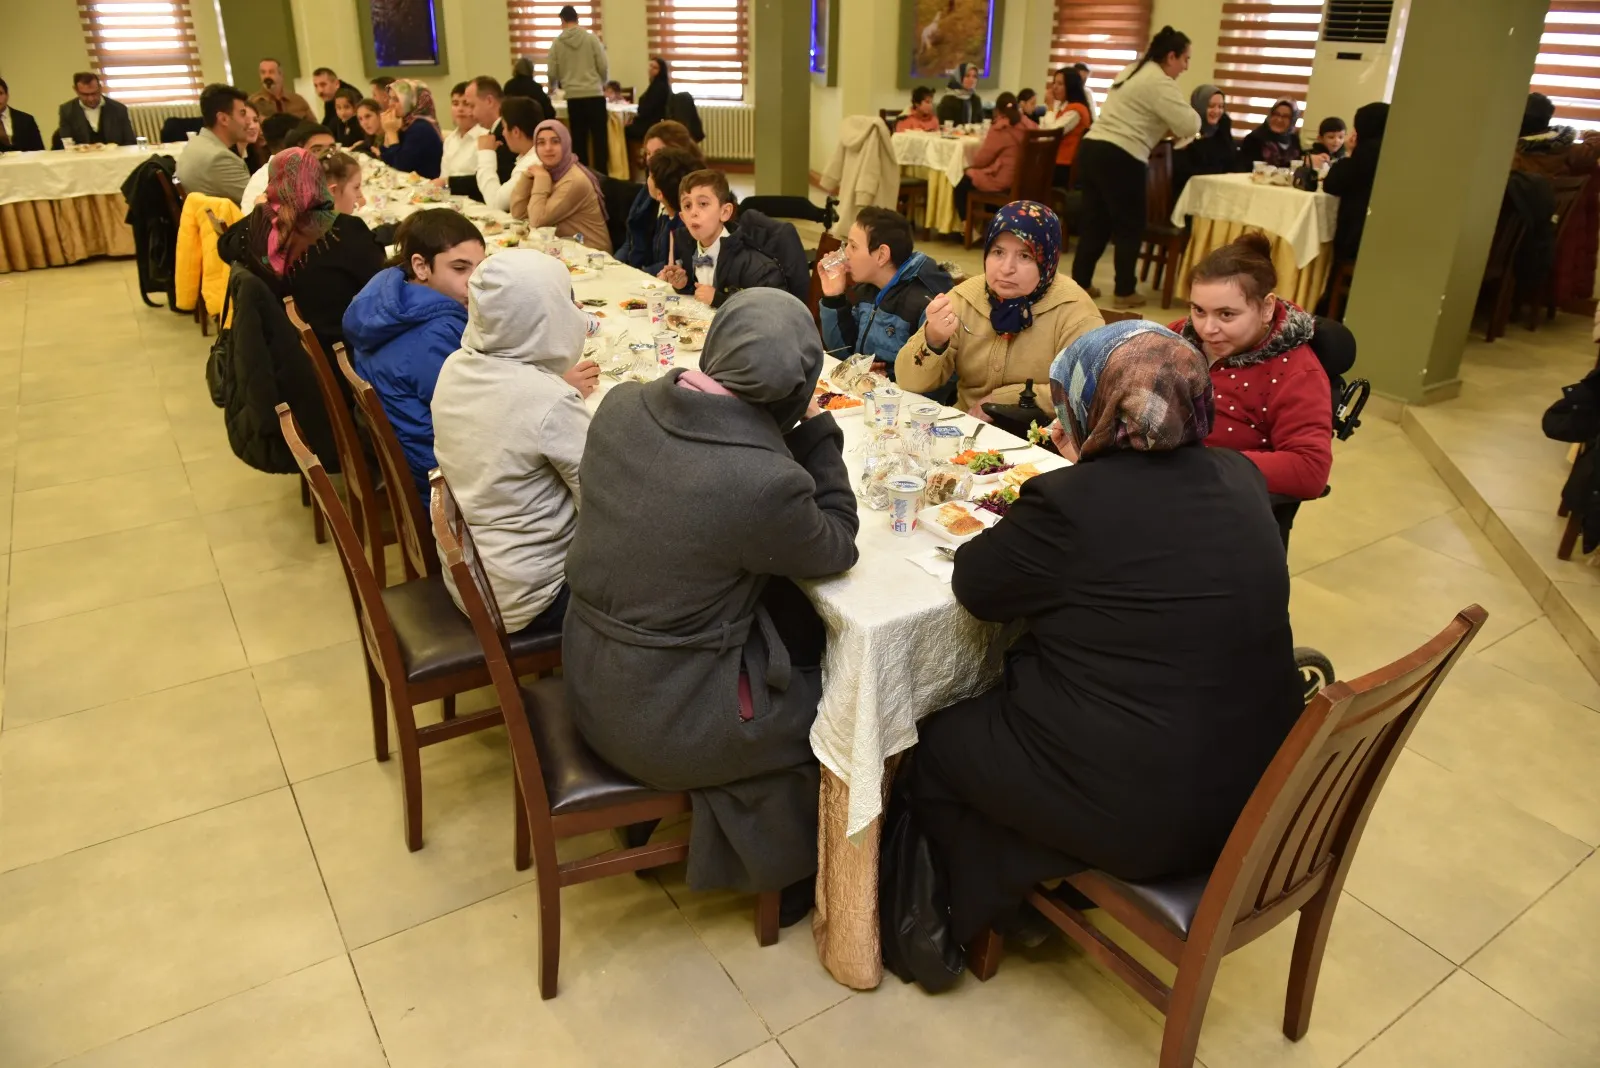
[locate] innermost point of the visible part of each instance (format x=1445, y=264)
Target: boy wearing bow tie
x=726, y=257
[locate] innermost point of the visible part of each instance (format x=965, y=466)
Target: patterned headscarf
x=1039, y=229
x=569, y=160
x=1132, y=385
x=413, y=100
x=299, y=205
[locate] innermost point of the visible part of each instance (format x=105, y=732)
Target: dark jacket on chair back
x=756, y=252
x=116, y=128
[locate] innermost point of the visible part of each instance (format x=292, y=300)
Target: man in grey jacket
x=577, y=64
x=211, y=164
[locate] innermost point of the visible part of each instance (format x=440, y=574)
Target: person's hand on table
x=941, y=323
x=488, y=142
x=391, y=126
x=977, y=412
x=1062, y=441
x=584, y=377
x=813, y=409
x=440, y=182
x=674, y=275
x=704, y=294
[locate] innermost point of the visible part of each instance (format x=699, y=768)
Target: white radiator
x=147, y=118
x=730, y=131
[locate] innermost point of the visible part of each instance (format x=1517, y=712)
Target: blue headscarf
x=1040, y=230
x=1154, y=396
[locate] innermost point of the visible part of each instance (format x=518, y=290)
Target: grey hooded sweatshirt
x=508, y=431
x=577, y=63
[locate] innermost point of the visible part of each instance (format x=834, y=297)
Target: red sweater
x=1279, y=413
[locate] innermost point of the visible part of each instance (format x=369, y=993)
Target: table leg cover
x=940, y=213
x=1302, y=286
x=617, y=148
x=35, y=234
x=845, y=923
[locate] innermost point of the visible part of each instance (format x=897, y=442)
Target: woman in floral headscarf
x=1152, y=675
x=304, y=241
x=996, y=331
x=411, y=140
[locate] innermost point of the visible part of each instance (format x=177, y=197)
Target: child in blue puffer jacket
x=409, y=318
x=893, y=285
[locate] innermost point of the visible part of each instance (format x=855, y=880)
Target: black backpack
x=913, y=900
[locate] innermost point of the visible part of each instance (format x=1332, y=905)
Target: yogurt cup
x=905, y=493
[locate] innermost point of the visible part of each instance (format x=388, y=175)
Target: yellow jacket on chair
x=199, y=272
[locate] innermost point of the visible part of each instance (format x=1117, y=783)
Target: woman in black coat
x=304, y=243
x=1154, y=676
x=653, y=101
x=1213, y=151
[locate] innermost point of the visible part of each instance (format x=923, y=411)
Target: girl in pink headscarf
x=559, y=191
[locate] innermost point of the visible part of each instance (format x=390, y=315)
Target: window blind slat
x=534, y=24
x=145, y=52
x=1568, y=67
x=1264, y=54
x=706, y=42
x=1103, y=34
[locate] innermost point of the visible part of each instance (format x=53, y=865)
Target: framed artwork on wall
x=403, y=37
x=824, y=42
x=937, y=36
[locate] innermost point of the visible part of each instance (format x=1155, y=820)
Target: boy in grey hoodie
x=576, y=63
x=508, y=431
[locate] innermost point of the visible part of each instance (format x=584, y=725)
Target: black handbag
x=913, y=900
x=216, y=362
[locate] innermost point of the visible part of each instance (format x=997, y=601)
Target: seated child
x=888, y=300
x=725, y=256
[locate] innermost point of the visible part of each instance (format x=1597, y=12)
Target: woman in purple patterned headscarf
x=411, y=140
x=559, y=191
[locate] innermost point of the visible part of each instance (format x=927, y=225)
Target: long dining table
x=899, y=646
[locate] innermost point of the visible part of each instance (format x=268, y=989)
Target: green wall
x=256, y=29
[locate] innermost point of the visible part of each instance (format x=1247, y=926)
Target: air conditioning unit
x=1358, y=52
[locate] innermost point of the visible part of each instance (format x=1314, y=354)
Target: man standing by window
x=210, y=164
x=93, y=118
x=577, y=64
x=275, y=96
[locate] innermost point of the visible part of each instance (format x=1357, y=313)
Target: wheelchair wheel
x=1316, y=671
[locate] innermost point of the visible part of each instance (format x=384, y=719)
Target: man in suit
x=18, y=131
x=92, y=117
x=210, y=164
x=275, y=97
x=485, y=95
x=327, y=84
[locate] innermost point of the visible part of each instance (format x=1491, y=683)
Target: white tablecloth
x=899, y=646
x=1305, y=220
x=948, y=155
x=62, y=174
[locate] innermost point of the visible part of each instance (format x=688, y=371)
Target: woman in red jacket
x=994, y=165
x=1274, y=404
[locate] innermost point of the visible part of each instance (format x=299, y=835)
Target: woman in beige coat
x=1004, y=327
x=559, y=191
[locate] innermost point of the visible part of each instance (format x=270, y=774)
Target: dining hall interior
x=925, y=672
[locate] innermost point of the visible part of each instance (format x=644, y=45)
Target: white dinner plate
x=928, y=519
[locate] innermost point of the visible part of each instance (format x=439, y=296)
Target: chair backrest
x=1036, y=167
x=619, y=195
x=171, y=193
x=1158, y=186
x=1299, y=831
x=825, y=244
x=365, y=511
x=889, y=116
x=1509, y=231
x=1112, y=316
x=627, y=93
x=1568, y=190
x=781, y=207
x=411, y=517
x=365, y=591
x=465, y=567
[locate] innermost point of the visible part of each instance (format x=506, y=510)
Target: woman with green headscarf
x=1151, y=674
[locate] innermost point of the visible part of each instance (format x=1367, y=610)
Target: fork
x=971, y=440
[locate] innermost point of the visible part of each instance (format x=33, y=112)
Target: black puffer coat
x=256, y=364
x=1576, y=417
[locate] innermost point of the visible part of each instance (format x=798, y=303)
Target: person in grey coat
x=576, y=63
x=692, y=662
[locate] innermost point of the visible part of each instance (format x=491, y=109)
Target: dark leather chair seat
x=436, y=637
x=1170, y=902
x=575, y=779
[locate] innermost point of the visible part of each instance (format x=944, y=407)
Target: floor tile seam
x=1480, y=650
x=322, y=878
x=90, y=478
x=119, y=603
x=1403, y=1013
x=698, y=937
x=530, y=880
x=752, y=1049
x=1466, y=964
x=1498, y=796
x=148, y=827
x=119, y=700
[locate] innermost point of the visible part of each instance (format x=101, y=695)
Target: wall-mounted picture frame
x=403, y=37
x=824, y=42
x=937, y=36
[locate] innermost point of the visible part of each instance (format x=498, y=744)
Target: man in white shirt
x=519, y=117
x=308, y=135
x=92, y=117
x=460, y=144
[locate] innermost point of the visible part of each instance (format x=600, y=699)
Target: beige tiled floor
x=201, y=863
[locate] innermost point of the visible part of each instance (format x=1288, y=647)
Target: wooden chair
x=1111, y=315
x=825, y=244
x=562, y=789
x=1036, y=170
x=418, y=645
x=889, y=116
x=1288, y=854
x=912, y=202
x=366, y=510
x=1568, y=190
x=1344, y=274
x=418, y=554
x=1163, y=243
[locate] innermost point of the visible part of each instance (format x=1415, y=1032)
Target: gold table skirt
x=940, y=213
x=1302, y=285
x=35, y=234
x=845, y=923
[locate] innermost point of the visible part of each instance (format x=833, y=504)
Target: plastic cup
x=67, y=142
x=905, y=493
x=923, y=417
x=946, y=441
x=666, y=348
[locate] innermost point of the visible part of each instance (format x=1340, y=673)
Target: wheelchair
x=1335, y=349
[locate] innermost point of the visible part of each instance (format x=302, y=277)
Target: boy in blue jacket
x=408, y=318
x=893, y=285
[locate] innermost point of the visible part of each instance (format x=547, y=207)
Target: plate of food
x=996, y=502
x=956, y=521
x=577, y=271
x=692, y=336
x=986, y=467
x=491, y=227
x=633, y=306
x=831, y=399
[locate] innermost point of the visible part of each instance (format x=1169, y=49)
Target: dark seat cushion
x=575, y=779
x=436, y=637
x=1170, y=902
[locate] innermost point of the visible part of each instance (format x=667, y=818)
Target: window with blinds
x=707, y=43
x=1264, y=55
x=1105, y=34
x=144, y=52
x=534, y=25
x=1568, y=68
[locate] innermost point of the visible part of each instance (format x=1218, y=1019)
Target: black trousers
x=959, y=195
x=1113, y=187
x=587, y=118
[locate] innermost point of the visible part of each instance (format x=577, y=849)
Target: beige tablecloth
x=53, y=233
